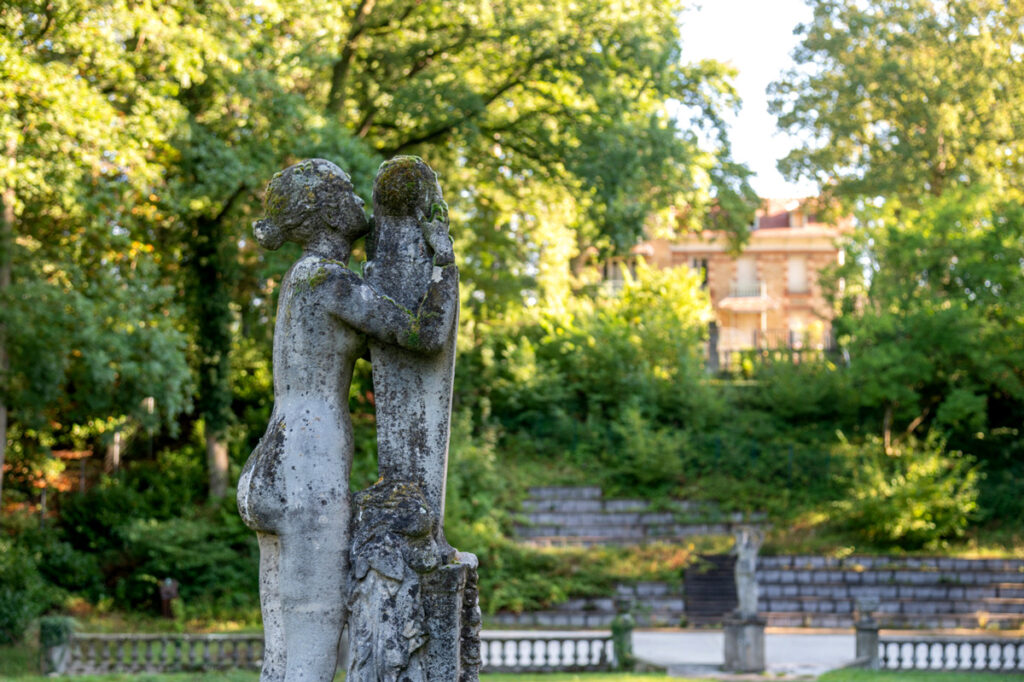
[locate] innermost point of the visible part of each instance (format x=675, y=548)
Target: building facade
x=769, y=296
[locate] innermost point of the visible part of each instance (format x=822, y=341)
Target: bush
x=214, y=558
x=23, y=593
x=916, y=497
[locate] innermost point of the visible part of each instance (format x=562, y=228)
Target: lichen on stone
x=403, y=186
x=318, y=278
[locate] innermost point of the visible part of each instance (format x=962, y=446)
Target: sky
x=756, y=37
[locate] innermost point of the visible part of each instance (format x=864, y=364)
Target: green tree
x=89, y=327
x=933, y=314
x=550, y=117
x=906, y=99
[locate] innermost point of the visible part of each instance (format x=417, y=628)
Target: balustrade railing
x=940, y=653
x=538, y=652
x=87, y=653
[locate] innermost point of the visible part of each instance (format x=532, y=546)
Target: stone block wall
x=808, y=591
x=913, y=592
x=582, y=517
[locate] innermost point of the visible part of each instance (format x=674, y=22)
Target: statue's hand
x=435, y=232
x=445, y=255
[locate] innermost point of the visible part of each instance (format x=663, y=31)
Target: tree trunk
x=213, y=273
x=217, y=463
x=887, y=429
x=6, y=246
x=112, y=459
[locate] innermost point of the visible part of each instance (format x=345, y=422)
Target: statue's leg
x=314, y=570
x=270, y=604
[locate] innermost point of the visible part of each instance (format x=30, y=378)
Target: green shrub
x=918, y=496
x=214, y=558
x=23, y=593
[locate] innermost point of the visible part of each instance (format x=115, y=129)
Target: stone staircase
x=913, y=592
x=710, y=590
x=581, y=516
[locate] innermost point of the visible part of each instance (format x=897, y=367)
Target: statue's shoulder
x=315, y=271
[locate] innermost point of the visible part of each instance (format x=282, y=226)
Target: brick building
x=769, y=296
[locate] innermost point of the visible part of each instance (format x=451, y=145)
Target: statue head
x=407, y=186
x=308, y=198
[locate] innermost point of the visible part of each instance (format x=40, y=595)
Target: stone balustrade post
x=867, y=633
x=622, y=634
x=55, y=644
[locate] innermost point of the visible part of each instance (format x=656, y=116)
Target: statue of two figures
x=377, y=561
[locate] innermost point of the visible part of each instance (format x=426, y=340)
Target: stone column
x=413, y=616
x=55, y=644
x=867, y=633
x=744, y=643
x=622, y=634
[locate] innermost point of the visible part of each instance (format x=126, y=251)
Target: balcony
x=748, y=297
x=733, y=339
x=748, y=290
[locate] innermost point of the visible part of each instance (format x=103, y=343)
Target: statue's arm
x=439, y=307
x=361, y=306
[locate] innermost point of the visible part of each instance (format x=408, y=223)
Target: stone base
x=744, y=644
x=453, y=621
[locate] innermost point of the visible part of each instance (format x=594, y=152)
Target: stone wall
x=810, y=591
x=913, y=592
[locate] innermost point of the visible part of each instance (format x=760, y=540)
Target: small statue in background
x=748, y=541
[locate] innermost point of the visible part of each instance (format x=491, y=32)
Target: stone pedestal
x=744, y=644
x=867, y=643
x=451, y=605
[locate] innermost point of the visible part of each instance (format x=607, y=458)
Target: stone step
x=832, y=620
x=860, y=563
x=565, y=492
x=580, y=619
x=638, y=533
x=563, y=506
x=893, y=606
x=650, y=589
x=885, y=577
x=577, y=519
x=834, y=591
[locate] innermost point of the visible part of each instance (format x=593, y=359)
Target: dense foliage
x=907, y=99
x=140, y=135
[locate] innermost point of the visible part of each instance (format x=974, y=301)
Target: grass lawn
x=916, y=676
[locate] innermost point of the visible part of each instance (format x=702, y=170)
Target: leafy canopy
x=906, y=99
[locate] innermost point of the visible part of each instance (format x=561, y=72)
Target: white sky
x=756, y=37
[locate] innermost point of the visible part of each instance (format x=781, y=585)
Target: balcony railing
x=733, y=339
x=748, y=289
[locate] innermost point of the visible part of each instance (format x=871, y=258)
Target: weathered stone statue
x=744, y=629
x=748, y=541
x=412, y=390
x=293, y=490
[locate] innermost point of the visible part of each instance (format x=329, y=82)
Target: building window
x=797, y=275
x=701, y=266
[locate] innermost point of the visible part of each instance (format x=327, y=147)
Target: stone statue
x=412, y=390
x=294, y=489
x=392, y=547
x=748, y=541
